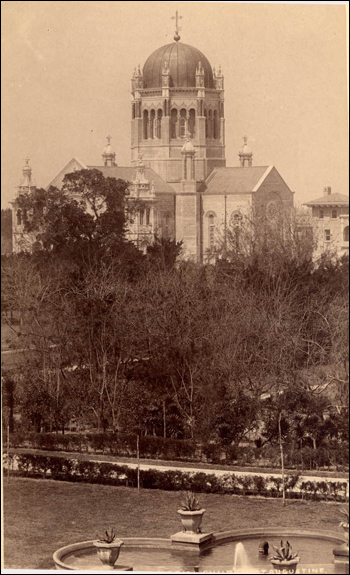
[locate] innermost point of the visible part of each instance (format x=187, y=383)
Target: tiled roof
x=129, y=172
x=330, y=200
x=236, y=180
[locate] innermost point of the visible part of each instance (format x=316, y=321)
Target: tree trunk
x=164, y=419
x=282, y=459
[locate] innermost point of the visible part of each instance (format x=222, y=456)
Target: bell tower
x=21, y=241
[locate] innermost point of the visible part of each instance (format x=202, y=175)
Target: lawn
x=43, y=515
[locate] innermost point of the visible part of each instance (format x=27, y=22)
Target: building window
x=152, y=124
x=321, y=214
x=145, y=125
x=173, y=124
x=142, y=217
x=183, y=123
x=19, y=217
x=192, y=122
x=210, y=124
x=159, y=124
x=216, y=125
x=166, y=225
x=211, y=231
x=327, y=235
x=334, y=214
x=237, y=218
x=206, y=124
x=346, y=234
x=148, y=216
x=133, y=111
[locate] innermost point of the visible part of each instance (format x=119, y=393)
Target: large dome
x=182, y=61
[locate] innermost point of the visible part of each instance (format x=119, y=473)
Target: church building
x=178, y=165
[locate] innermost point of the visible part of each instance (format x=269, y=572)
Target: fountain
x=241, y=563
x=147, y=554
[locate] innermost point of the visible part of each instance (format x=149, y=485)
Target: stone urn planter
x=285, y=566
x=108, y=549
x=191, y=520
x=191, y=514
x=285, y=561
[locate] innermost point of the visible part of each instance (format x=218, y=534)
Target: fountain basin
x=315, y=549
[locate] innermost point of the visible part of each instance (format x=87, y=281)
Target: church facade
x=178, y=165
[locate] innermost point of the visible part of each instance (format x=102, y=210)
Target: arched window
x=237, y=219
x=216, y=125
x=173, y=123
x=148, y=216
x=210, y=124
x=211, y=217
x=19, y=217
x=152, y=124
x=142, y=217
x=206, y=124
x=143, y=247
x=183, y=123
x=145, y=125
x=166, y=225
x=133, y=111
x=159, y=124
x=346, y=234
x=192, y=122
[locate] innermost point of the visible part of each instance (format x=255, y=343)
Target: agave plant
x=285, y=552
x=108, y=537
x=190, y=503
x=345, y=513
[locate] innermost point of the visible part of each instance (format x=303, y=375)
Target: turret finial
x=245, y=154
x=177, y=27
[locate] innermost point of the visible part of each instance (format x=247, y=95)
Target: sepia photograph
x=175, y=286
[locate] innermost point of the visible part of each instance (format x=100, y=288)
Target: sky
x=67, y=65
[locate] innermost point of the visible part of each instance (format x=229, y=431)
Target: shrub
x=275, y=486
x=245, y=482
x=67, y=469
x=259, y=483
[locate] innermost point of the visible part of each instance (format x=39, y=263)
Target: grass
x=42, y=515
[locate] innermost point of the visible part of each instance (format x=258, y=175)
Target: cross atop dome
x=177, y=27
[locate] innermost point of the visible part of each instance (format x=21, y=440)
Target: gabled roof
x=330, y=200
x=128, y=173
x=236, y=180
x=73, y=164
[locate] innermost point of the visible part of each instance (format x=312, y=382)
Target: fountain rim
x=218, y=539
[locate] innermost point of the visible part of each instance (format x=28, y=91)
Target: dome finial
x=245, y=154
x=108, y=154
x=177, y=27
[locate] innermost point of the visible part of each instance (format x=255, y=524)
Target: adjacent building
x=330, y=219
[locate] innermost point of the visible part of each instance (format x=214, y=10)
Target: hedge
x=124, y=445
x=67, y=469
